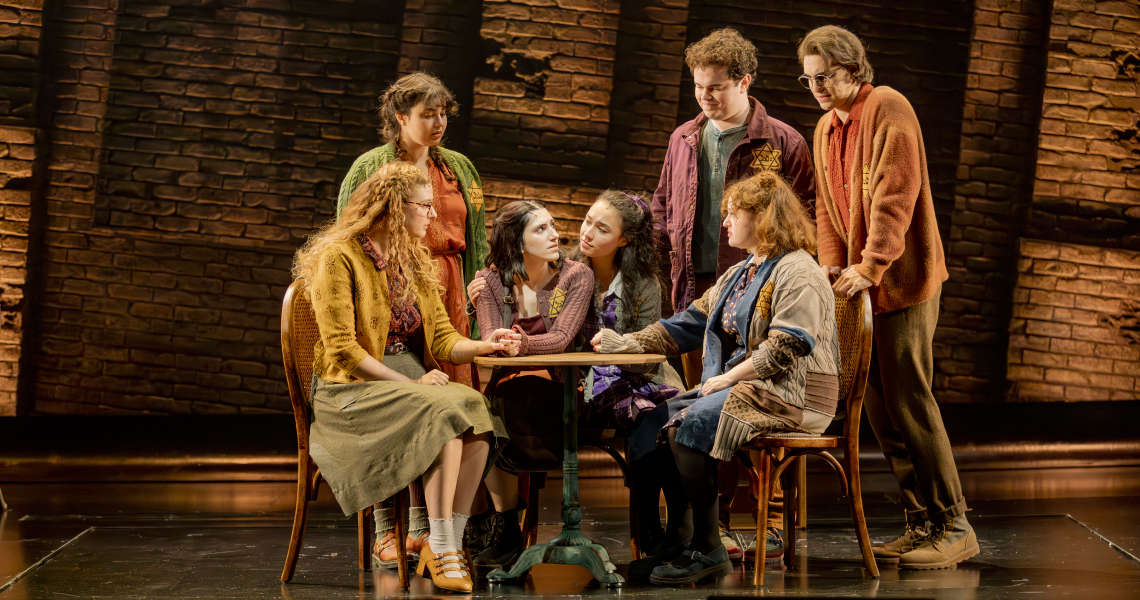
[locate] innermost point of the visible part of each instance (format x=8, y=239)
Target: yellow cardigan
x=350, y=298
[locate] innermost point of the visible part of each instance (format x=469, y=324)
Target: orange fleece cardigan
x=892, y=237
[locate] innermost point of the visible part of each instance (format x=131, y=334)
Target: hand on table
x=506, y=341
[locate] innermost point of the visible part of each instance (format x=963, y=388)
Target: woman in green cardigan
x=413, y=114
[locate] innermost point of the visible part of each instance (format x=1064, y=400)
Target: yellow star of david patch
x=766, y=158
x=764, y=300
x=557, y=301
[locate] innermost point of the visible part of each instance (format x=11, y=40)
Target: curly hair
x=379, y=200
x=837, y=46
x=402, y=96
x=723, y=48
x=637, y=260
x=506, y=252
x=781, y=222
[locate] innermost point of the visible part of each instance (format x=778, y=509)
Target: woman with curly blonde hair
x=383, y=412
x=771, y=363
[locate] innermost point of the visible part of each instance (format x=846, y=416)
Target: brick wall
x=1088, y=166
x=542, y=105
x=20, y=28
x=1075, y=334
x=193, y=147
x=645, y=107
x=17, y=162
x=1002, y=108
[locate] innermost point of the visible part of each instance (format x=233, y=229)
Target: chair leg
x=855, y=499
x=3, y=504
x=791, y=514
x=634, y=530
x=801, y=485
x=534, y=483
x=760, y=463
x=300, y=516
x=402, y=500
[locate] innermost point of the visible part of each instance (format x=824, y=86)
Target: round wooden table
x=571, y=547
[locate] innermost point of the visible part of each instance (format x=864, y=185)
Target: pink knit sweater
x=562, y=303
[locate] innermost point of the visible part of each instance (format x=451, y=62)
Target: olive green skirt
x=372, y=438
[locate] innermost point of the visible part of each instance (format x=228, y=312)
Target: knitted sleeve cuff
x=615, y=343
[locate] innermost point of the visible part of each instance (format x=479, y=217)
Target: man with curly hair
x=731, y=139
x=877, y=230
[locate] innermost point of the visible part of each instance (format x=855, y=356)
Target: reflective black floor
x=228, y=540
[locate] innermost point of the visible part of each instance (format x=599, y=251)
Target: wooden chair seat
x=853, y=321
x=299, y=334
x=798, y=441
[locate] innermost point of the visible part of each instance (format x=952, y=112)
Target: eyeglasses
x=423, y=205
x=818, y=80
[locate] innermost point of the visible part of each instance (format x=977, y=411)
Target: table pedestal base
x=591, y=556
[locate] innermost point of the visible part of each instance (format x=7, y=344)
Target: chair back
x=854, y=325
x=299, y=334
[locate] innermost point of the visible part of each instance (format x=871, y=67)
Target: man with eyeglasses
x=877, y=230
x=732, y=138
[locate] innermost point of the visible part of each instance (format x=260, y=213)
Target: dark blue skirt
x=696, y=417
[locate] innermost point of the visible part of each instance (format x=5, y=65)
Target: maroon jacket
x=767, y=145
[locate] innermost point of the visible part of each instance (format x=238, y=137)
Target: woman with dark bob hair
x=771, y=363
x=544, y=298
x=383, y=412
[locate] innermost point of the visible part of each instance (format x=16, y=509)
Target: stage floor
x=228, y=540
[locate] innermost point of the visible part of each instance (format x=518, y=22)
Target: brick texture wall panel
x=548, y=67
x=1075, y=331
x=193, y=148
x=1001, y=114
x=1087, y=185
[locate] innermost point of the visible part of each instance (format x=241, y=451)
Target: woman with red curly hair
x=383, y=412
x=771, y=363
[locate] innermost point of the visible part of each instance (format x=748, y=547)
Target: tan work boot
x=889, y=552
x=945, y=546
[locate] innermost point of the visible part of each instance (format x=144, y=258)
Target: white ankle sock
x=459, y=525
x=441, y=538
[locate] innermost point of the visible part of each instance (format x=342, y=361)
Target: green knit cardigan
x=473, y=258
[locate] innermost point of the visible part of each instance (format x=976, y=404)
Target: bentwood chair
x=298, y=335
x=3, y=504
x=853, y=320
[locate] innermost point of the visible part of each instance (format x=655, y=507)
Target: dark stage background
x=160, y=161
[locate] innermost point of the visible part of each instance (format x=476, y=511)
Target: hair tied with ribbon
x=646, y=218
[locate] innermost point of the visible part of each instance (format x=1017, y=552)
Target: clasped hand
x=849, y=282
x=506, y=341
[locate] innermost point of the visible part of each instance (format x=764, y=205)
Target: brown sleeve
x=896, y=183
x=777, y=354
x=489, y=311
x=579, y=286
x=655, y=340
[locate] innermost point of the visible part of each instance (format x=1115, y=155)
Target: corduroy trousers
x=905, y=416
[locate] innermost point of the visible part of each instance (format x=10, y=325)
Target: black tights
x=698, y=474
x=689, y=479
